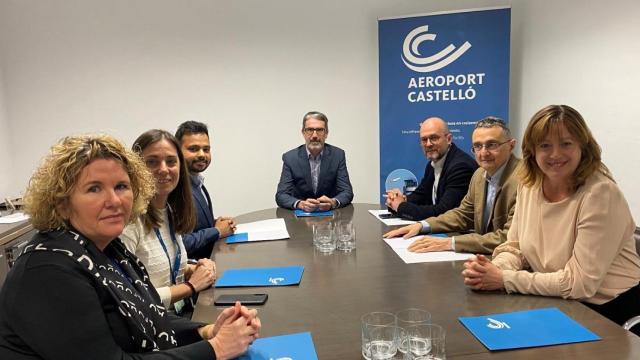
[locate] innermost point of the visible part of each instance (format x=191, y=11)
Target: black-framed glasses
x=490, y=146
x=310, y=131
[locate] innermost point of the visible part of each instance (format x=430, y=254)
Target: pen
x=192, y=261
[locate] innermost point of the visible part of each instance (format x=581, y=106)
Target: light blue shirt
x=492, y=188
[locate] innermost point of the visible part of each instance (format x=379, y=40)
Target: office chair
x=636, y=319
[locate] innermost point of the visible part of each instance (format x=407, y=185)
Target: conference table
x=338, y=288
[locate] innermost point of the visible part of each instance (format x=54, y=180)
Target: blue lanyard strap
x=176, y=264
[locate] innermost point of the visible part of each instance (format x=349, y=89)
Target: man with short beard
x=314, y=175
x=446, y=176
x=194, y=140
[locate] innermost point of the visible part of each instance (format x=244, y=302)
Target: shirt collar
x=310, y=157
x=438, y=165
x=495, y=179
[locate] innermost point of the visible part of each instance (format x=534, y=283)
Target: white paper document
x=13, y=218
x=400, y=245
x=272, y=229
x=391, y=221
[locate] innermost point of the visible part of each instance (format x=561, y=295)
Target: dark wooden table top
x=338, y=288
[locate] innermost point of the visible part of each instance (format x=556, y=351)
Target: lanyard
x=176, y=264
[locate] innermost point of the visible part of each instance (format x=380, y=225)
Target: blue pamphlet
x=274, y=276
x=237, y=238
x=300, y=213
x=438, y=235
x=530, y=328
x=295, y=347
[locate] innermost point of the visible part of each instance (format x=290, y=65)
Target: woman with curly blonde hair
x=80, y=293
x=571, y=235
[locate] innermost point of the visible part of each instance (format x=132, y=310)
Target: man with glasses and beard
x=487, y=208
x=446, y=176
x=194, y=141
x=314, y=175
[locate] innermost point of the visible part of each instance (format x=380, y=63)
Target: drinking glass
x=372, y=319
x=345, y=236
x=384, y=340
x=410, y=317
x=426, y=342
x=323, y=237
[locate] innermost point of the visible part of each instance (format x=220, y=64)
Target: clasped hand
x=234, y=330
x=394, y=198
x=323, y=203
x=481, y=274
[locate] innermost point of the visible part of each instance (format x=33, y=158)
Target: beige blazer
x=468, y=216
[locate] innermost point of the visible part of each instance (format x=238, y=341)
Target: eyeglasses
x=490, y=146
x=433, y=138
x=310, y=131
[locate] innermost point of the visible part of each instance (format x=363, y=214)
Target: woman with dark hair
x=76, y=292
x=156, y=235
x=572, y=232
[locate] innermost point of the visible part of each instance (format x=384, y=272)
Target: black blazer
x=453, y=185
x=295, y=179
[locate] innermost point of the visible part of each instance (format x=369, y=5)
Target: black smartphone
x=245, y=299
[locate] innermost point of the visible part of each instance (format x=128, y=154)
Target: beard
x=198, y=166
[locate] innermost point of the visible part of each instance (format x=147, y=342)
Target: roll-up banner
x=453, y=65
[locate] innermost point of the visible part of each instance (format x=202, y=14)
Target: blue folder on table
x=295, y=346
x=237, y=238
x=300, y=213
x=273, y=276
x=530, y=328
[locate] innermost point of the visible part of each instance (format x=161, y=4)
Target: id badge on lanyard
x=175, y=269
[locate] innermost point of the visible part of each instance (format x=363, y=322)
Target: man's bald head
x=434, y=138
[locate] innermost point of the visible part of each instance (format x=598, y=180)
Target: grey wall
x=6, y=150
x=252, y=68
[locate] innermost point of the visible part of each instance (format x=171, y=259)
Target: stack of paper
x=272, y=229
x=400, y=245
x=390, y=221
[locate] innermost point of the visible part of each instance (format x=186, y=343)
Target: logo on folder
x=415, y=61
x=276, y=281
x=495, y=324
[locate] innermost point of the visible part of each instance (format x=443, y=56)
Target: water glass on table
x=410, y=317
x=369, y=321
x=384, y=340
x=426, y=342
x=345, y=236
x=323, y=237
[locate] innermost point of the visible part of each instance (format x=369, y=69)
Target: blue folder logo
x=495, y=324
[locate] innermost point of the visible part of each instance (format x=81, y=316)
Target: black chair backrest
x=636, y=236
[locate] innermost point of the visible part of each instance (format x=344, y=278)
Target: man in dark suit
x=194, y=140
x=446, y=176
x=314, y=175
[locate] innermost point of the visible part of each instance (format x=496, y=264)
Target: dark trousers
x=622, y=308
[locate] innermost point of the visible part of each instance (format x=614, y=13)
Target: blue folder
x=237, y=238
x=274, y=276
x=300, y=213
x=530, y=328
x=295, y=346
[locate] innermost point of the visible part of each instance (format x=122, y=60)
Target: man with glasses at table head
x=489, y=204
x=446, y=176
x=314, y=175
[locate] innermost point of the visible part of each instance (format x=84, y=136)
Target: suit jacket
x=199, y=244
x=295, y=180
x=468, y=216
x=453, y=185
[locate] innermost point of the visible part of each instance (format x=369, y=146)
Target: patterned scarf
x=124, y=278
